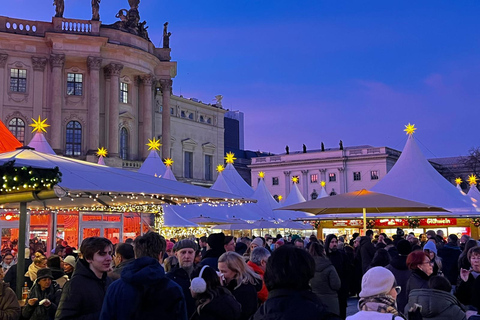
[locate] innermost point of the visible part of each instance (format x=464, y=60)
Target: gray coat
x=326, y=283
x=436, y=305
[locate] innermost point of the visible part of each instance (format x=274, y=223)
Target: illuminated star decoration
x=295, y=179
x=168, y=162
x=410, y=129
x=458, y=181
x=220, y=168
x=280, y=198
x=102, y=152
x=39, y=125
x=154, y=144
x=230, y=157
x=472, y=179
x=323, y=184
x=261, y=174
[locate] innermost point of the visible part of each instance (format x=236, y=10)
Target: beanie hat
x=216, y=240
x=240, y=248
x=183, y=244
x=400, y=232
x=430, y=246
x=69, y=260
x=404, y=247
x=44, y=273
x=280, y=242
x=258, y=242
x=169, y=245
x=377, y=280
x=295, y=237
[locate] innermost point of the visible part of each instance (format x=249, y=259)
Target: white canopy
x=40, y=144
x=172, y=219
x=169, y=174
x=473, y=192
x=153, y=165
x=235, y=182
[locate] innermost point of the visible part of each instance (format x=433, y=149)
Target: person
x=449, y=254
x=95, y=10
x=258, y=262
x=287, y=277
x=340, y=262
x=83, y=295
x=367, y=250
x=143, y=291
x=55, y=264
x=181, y=274
x=463, y=261
x=7, y=262
x=398, y=266
x=468, y=287
x=39, y=262
x=381, y=258
x=298, y=242
x=437, y=302
x=9, y=306
x=229, y=243
x=326, y=282
x=11, y=275
x=43, y=298
x=422, y=268
x=378, y=296
x=213, y=301
x=216, y=248
x=202, y=243
x=69, y=266
x=431, y=250
x=242, y=282
x=123, y=256
x=463, y=241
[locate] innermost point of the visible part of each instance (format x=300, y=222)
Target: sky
x=312, y=71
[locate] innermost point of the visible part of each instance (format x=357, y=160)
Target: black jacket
x=180, y=276
x=418, y=280
x=246, y=295
x=468, y=292
x=436, y=305
x=11, y=276
x=41, y=312
x=367, y=251
x=449, y=254
x=82, y=296
x=222, y=307
x=398, y=266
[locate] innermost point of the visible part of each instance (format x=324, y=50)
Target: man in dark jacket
x=82, y=296
x=367, y=250
x=398, y=266
x=123, y=255
x=215, y=250
x=143, y=291
x=449, y=254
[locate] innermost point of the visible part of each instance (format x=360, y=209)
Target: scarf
x=382, y=303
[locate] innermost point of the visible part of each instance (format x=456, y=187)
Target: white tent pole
x=364, y=221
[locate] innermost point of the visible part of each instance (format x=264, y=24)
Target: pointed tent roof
x=473, y=192
x=172, y=219
x=169, y=174
x=235, y=182
x=323, y=193
x=40, y=144
x=220, y=184
x=8, y=142
x=294, y=197
x=414, y=178
x=101, y=161
x=264, y=199
x=153, y=165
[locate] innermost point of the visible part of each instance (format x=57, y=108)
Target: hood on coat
x=399, y=262
x=433, y=301
x=142, y=271
x=321, y=263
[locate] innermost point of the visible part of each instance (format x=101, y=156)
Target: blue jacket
x=144, y=292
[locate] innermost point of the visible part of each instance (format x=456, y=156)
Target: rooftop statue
x=166, y=36
x=130, y=20
x=59, y=8
x=133, y=4
x=96, y=10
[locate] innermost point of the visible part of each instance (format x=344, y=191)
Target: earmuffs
x=198, y=284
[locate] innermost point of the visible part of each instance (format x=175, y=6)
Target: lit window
x=188, y=165
x=208, y=167
x=73, y=141
x=374, y=175
x=313, y=178
x=17, y=128
x=123, y=92
x=18, y=80
x=124, y=144
x=74, y=84
x=275, y=181
x=332, y=177
x=357, y=176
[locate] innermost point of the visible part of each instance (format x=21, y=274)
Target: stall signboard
x=438, y=222
x=397, y=222
x=391, y=223
x=348, y=223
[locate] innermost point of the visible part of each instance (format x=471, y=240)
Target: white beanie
x=258, y=241
x=377, y=280
x=69, y=260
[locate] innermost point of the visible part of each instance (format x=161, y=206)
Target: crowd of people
x=222, y=277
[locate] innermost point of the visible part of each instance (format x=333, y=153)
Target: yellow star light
x=280, y=198
x=323, y=184
x=472, y=179
x=220, y=168
x=261, y=174
x=39, y=125
x=410, y=129
x=230, y=157
x=295, y=179
x=168, y=162
x=102, y=152
x=458, y=180
x=154, y=144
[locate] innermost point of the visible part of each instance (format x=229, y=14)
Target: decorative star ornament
x=168, y=162
x=458, y=181
x=154, y=144
x=230, y=157
x=295, y=179
x=261, y=174
x=472, y=179
x=280, y=198
x=220, y=168
x=410, y=129
x=102, y=152
x=39, y=125
x=322, y=183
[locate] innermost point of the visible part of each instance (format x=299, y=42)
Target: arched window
x=17, y=128
x=73, y=141
x=124, y=144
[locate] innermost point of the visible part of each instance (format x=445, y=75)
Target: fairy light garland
x=20, y=179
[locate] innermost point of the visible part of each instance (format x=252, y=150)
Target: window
x=73, y=145
x=18, y=80
x=313, y=178
x=202, y=119
x=190, y=116
x=123, y=92
x=17, y=128
x=182, y=114
x=332, y=177
x=124, y=144
x=74, y=84
x=275, y=181
x=188, y=165
x=357, y=176
x=172, y=111
x=209, y=120
x=208, y=167
x=374, y=175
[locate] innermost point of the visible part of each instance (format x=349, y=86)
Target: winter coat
x=341, y=263
x=32, y=271
x=11, y=276
x=41, y=312
x=144, y=292
x=468, y=292
x=326, y=283
x=449, y=254
x=211, y=258
x=418, y=280
x=367, y=251
x=82, y=296
x=117, y=271
x=181, y=277
x=59, y=276
x=222, y=307
x=246, y=295
x=284, y=304
x=9, y=306
x=398, y=266
x=436, y=305
x=263, y=293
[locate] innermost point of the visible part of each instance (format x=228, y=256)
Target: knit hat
x=185, y=243
x=169, y=245
x=70, y=260
x=216, y=240
x=258, y=242
x=377, y=280
x=44, y=273
x=280, y=242
x=400, y=232
x=295, y=237
x=404, y=247
x=430, y=246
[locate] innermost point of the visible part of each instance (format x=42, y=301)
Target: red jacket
x=262, y=294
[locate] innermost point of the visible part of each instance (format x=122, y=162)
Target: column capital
x=94, y=63
x=57, y=60
x=322, y=170
x=165, y=84
x=147, y=79
x=341, y=169
x=113, y=70
x=287, y=173
x=3, y=60
x=304, y=172
x=39, y=63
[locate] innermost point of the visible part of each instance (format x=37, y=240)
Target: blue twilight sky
x=309, y=71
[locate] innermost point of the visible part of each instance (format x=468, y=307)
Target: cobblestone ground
x=352, y=306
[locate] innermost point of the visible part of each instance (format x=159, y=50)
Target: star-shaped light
x=472, y=179
x=230, y=157
x=220, y=168
x=322, y=183
x=154, y=144
x=280, y=198
x=168, y=162
x=39, y=125
x=295, y=179
x=410, y=129
x=102, y=152
x=261, y=174
x=458, y=181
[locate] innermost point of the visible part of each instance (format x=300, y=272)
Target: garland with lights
x=315, y=223
x=20, y=179
x=413, y=222
x=370, y=223
x=476, y=222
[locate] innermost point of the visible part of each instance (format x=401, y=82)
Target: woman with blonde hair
x=39, y=262
x=242, y=282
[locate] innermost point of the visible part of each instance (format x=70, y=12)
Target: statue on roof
x=341, y=145
x=166, y=36
x=287, y=149
x=130, y=20
x=323, y=147
x=59, y=8
x=218, y=99
x=304, y=148
x=133, y=4
x=96, y=10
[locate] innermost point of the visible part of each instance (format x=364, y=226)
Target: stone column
x=148, y=115
x=3, y=62
x=94, y=64
x=57, y=62
x=166, y=86
x=341, y=180
x=323, y=175
x=287, y=182
x=305, y=183
x=38, y=64
x=113, y=71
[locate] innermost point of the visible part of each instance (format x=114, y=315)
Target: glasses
x=429, y=262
